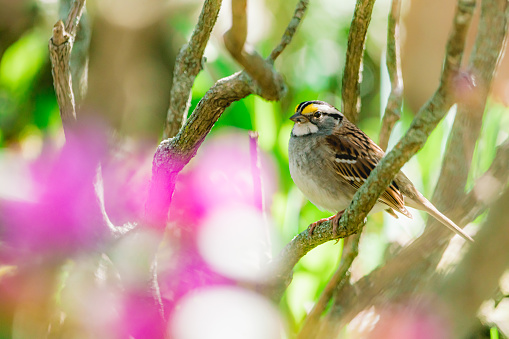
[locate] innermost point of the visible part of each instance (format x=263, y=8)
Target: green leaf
x=22, y=61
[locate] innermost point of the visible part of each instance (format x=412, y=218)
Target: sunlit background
x=132, y=51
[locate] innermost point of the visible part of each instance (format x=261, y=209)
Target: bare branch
x=187, y=66
x=340, y=277
x=350, y=105
x=393, y=109
x=290, y=30
x=73, y=19
x=173, y=154
x=80, y=47
x=484, y=264
x=60, y=47
x=270, y=85
x=235, y=37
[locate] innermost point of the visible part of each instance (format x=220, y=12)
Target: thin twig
x=187, y=66
x=80, y=47
x=340, y=277
x=290, y=30
x=258, y=196
x=350, y=104
x=270, y=85
x=73, y=19
x=60, y=47
x=393, y=108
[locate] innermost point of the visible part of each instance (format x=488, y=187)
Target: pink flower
x=63, y=215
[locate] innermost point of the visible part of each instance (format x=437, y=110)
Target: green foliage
x=24, y=98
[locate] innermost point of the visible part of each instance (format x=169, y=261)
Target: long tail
x=428, y=207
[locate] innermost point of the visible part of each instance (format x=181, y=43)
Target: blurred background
x=133, y=46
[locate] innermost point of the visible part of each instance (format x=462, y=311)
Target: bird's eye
x=317, y=115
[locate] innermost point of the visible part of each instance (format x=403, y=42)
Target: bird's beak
x=298, y=117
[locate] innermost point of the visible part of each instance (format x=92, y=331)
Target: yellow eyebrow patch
x=309, y=109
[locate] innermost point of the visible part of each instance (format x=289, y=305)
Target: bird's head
x=315, y=117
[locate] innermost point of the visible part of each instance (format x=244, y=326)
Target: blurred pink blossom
x=140, y=317
x=126, y=176
x=417, y=319
x=63, y=216
x=467, y=88
x=186, y=272
x=220, y=177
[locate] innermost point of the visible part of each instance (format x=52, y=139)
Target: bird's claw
x=334, y=219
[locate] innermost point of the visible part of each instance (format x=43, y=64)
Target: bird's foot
x=333, y=219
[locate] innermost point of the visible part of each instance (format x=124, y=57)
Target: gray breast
x=315, y=177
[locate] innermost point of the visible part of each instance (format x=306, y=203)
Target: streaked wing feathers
x=355, y=156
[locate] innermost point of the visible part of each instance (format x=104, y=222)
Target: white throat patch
x=300, y=129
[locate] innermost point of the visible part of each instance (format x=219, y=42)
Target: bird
x=330, y=158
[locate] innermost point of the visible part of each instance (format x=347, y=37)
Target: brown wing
x=355, y=156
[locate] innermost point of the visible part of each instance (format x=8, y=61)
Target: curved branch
x=74, y=16
x=302, y=5
x=173, y=154
x=338, y=280
x=350, y=104
x=187, y=66
x=393, y=108
x=270, y=85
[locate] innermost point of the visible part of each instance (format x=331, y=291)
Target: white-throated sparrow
x=330, y=158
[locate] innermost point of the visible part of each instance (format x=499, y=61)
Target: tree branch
x=350, y=105
x=270, y=85
x=60, y=47
x=484, y=264
x=172, y=155
x=340, y=278
x=302, y=5
x=79, y=55
x=393, y=108
x=187, y=66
